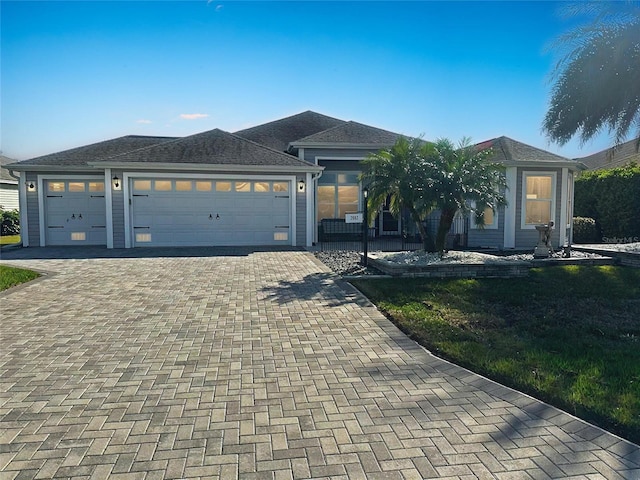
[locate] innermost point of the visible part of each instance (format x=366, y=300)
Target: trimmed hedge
x=10, y=222
x=585, y=230
x=612, y=198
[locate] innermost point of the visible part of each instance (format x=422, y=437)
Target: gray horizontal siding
x=33, y=212
x=488, y=237
x=9, y=197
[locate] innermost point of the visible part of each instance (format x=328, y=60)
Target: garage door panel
x=76, y=217
x=212, y=217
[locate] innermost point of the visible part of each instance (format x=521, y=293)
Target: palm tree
x=597, y=79
x=396, y=174
x=460, y=178
x=422, y=177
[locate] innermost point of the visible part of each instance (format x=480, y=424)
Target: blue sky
x=79, y=72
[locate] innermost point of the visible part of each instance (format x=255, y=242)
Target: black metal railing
x=336, y=234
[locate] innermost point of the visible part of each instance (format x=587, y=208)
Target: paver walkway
x=253, y=365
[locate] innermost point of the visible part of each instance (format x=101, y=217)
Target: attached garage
x=209, y=189
x=210, y=211
x=74, y=212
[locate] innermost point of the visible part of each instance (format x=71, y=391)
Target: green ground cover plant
x=11, y=276
x=9, y=239
x=567, y=335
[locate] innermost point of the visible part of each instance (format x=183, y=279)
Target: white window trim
x=510, y=209
x=523, y=206
x=42, y=193
x=128, y=210
x=492, y=226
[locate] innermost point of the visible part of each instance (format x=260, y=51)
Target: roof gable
x=280, y=133
x=214, y=147
x=350, y=133
x=509, y=151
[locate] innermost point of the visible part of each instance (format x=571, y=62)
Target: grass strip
x=9, y=239
x=568, y=335
x=11, y=276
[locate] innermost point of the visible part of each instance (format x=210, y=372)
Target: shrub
x=10, y=222
x=585, y=230
x=612, y=198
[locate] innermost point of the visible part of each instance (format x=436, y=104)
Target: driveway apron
x=253, y=364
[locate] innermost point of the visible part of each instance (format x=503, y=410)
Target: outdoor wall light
x=365, y=193
x=301, y=185
x=116, y=183
x=31, y=187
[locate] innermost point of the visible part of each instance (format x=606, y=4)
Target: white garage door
x=193, y=212
x=75, y=212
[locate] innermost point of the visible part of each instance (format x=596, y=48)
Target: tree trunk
x=446, y=220
x=427, y=242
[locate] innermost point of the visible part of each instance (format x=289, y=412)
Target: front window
x=538, y=198
x=490, y=219
x=338, y=194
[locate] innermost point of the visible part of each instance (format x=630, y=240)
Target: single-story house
x=8, y=186
x=272, y=184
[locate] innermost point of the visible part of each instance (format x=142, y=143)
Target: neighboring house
x=272, y=184
x=613, y=157
x=8, y=186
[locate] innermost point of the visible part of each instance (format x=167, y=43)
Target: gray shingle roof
x=78, y=157
x=4, y=173
x=613, y=157
x=280, y=133
x=214, y=147
x=509, y=151
x=351, y=133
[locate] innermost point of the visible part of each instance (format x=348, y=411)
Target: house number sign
x=353, y=218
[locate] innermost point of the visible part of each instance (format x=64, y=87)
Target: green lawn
x=10, y=276
x=9, y=239
x=567, y=335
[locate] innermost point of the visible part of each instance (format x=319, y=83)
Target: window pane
x=280, y=186
x=223, y=186
x=56, y=186
x=76, y=186
x=261, y=187
x=488, y=216
x=203, y=186
x=327, y=179
x=538, y=212
x=243, y=186
x=350, y=178
x=347, y=200
x=539, y=187
x=162, y=185
x=326, y=201
x=142, y=184
x=96, y=186
x=183, y=185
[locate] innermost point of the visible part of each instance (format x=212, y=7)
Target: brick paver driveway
x=253, y=365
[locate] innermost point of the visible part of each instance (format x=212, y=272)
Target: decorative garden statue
x=543, y=248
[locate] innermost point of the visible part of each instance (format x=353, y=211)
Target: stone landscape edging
x=624, y=258
x=505, y=269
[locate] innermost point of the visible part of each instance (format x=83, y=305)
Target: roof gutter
x=209, y=167
x=569, y=164
x=334, y=146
